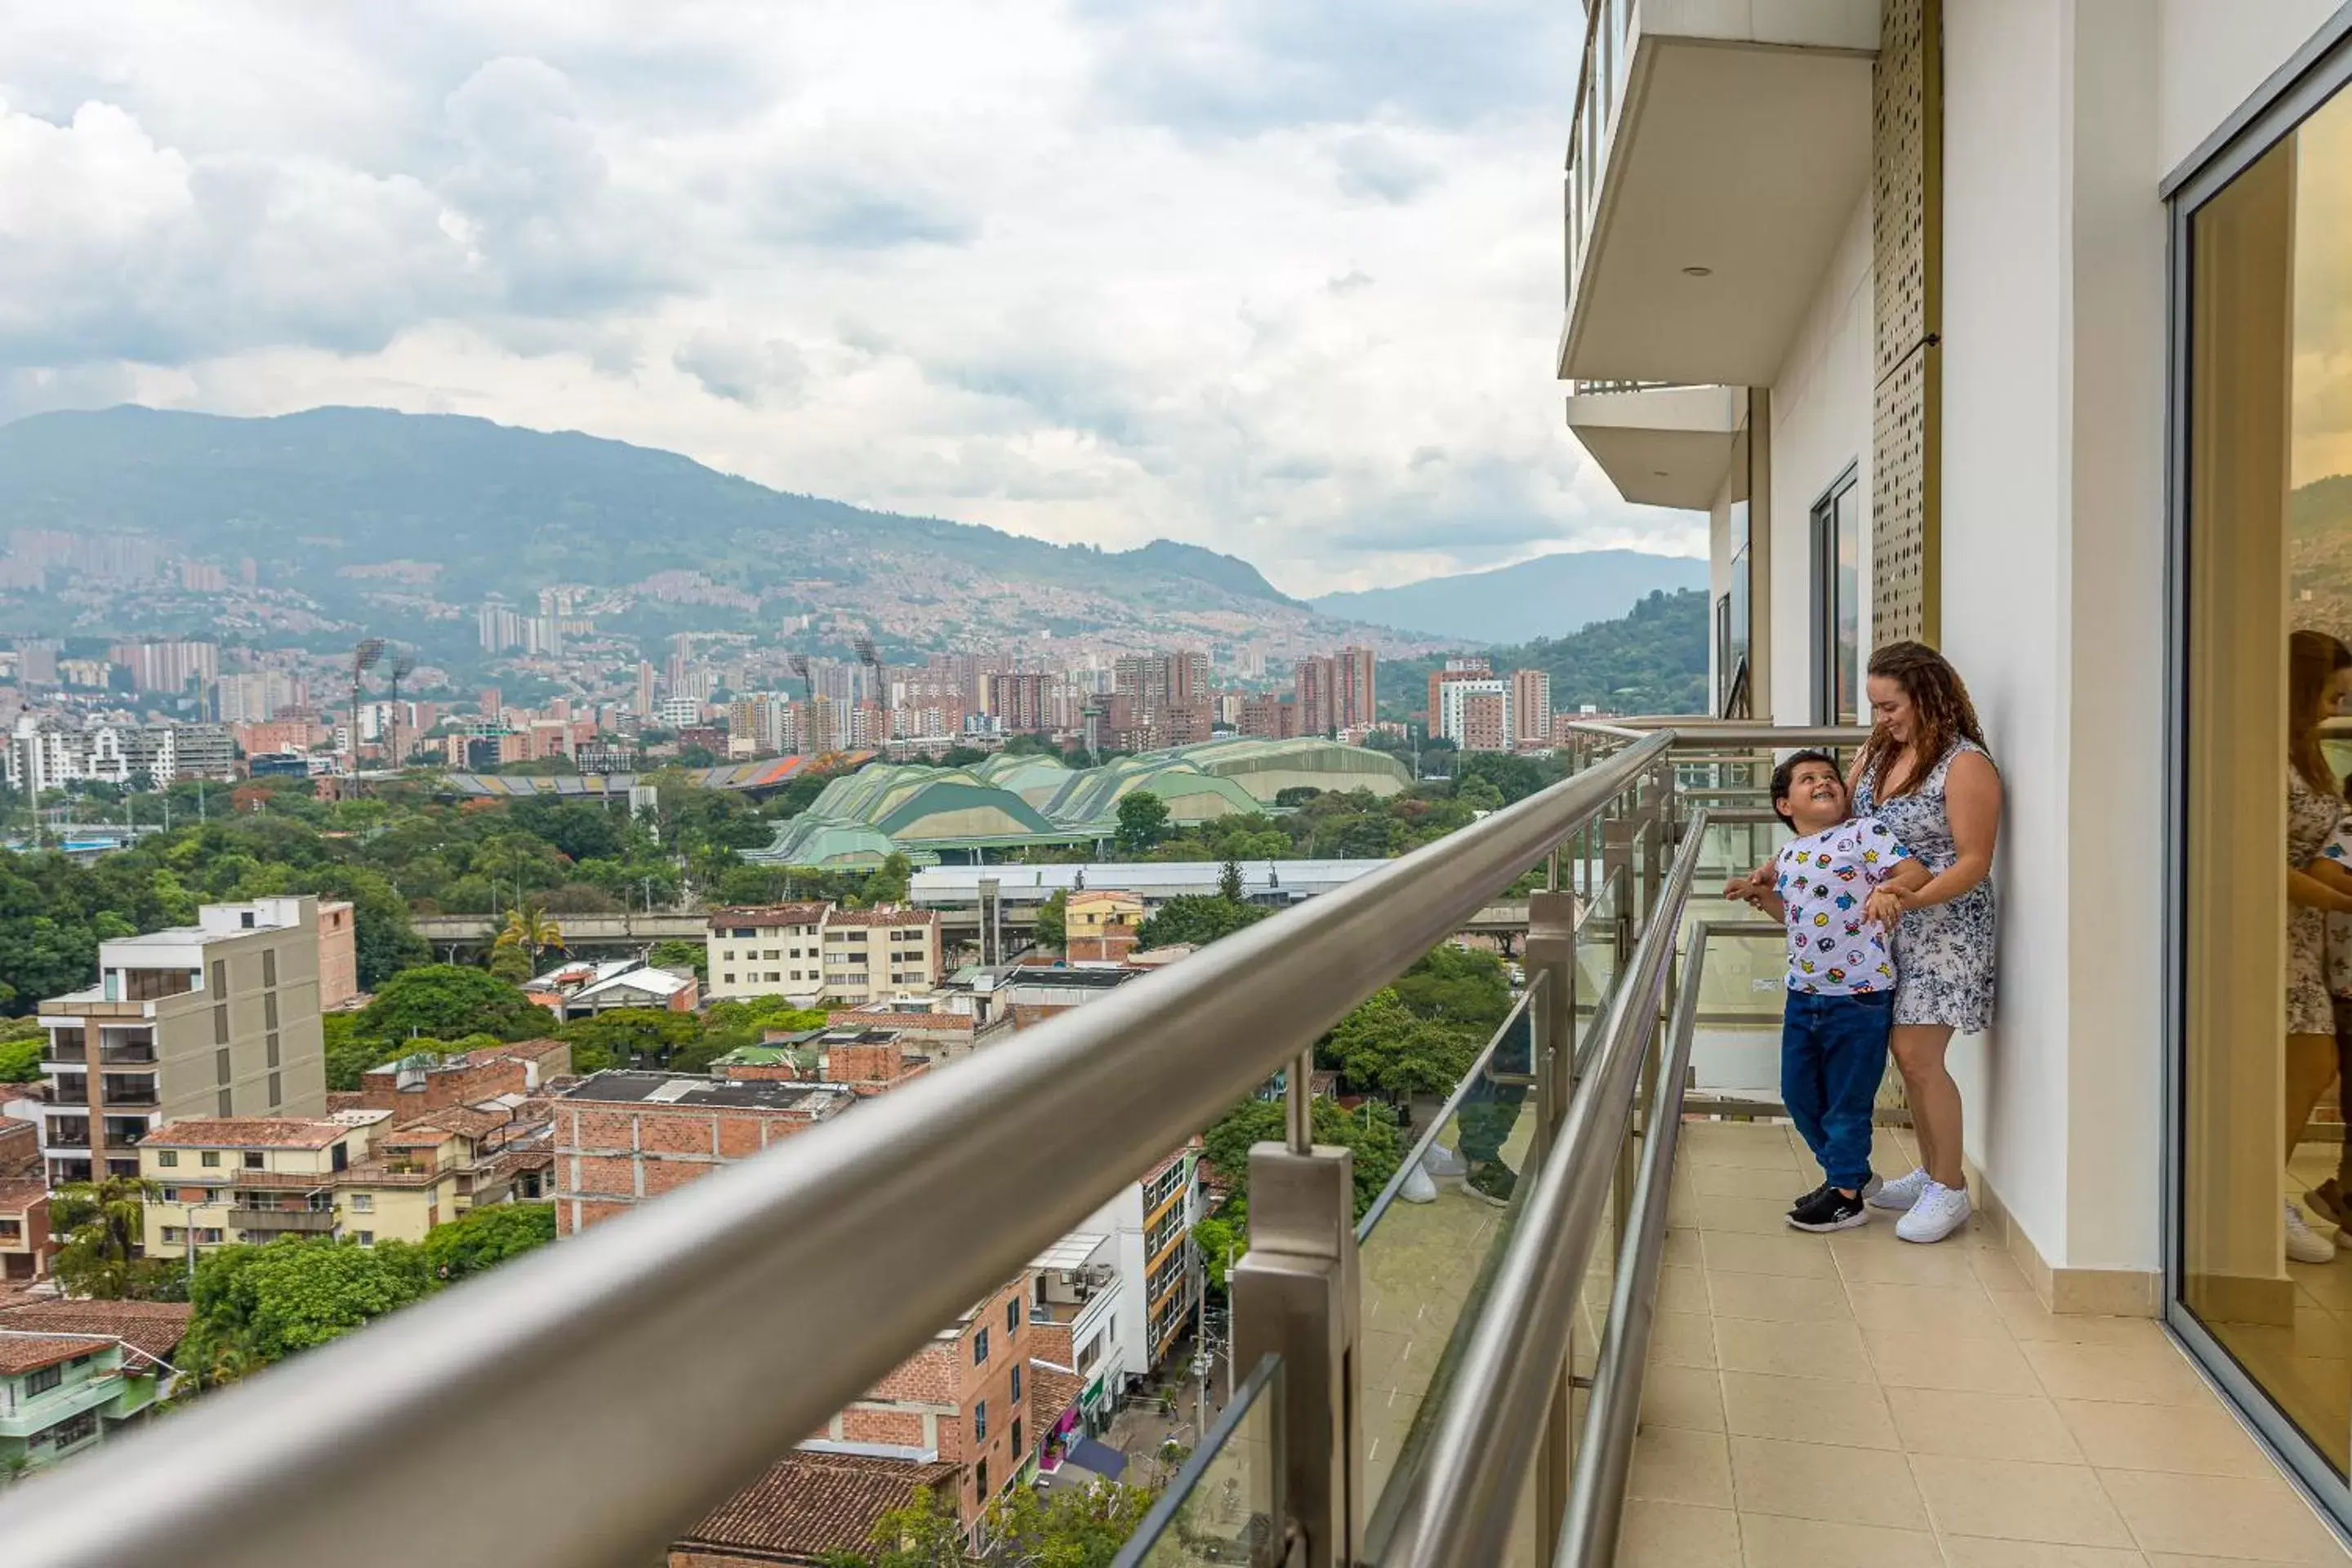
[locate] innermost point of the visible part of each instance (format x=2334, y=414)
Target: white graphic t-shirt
x=1823, y=879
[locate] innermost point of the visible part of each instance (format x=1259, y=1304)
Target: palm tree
x=529, y=930
x=102, y=1222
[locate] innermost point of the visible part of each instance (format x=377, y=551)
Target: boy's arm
x=1767, y=902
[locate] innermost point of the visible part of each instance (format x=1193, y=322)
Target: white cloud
x=1268, y=278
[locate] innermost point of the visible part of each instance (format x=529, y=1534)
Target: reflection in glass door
x=1837, y=609
x=2266, y=917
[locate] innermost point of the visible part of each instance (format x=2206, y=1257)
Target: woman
x=1925, y=773
x=2319, y=672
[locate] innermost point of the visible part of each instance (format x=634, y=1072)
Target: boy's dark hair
x=1784, y=777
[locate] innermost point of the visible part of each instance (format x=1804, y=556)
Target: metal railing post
x=1297, y=1294
x=1551, y=1027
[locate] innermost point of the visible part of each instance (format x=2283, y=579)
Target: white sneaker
x=2303, y=1245
x=1901, y=1193
x=1940, y=1211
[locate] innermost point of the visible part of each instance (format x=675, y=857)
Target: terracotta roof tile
x=1051, y=1392
x=882, y=918
x=153, y=1329
x=16, y=1197
x=26, y=1353
x=811, y=1502
x=768, y=915
x=245, y=1132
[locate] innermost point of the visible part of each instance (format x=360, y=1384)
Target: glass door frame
x=2308, y=81
x=1822, y=526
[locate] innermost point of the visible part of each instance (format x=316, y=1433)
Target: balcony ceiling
x=1661, y=445
x=1748, y=161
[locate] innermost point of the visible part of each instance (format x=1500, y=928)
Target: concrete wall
x=2212, y=57
x=1820, y=428
x=2052, y=559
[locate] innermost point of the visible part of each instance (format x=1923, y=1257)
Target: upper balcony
x=1660, y=445
x=1718, y=150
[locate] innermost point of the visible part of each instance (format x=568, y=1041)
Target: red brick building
x=24, y=1230
x=420, y=1086
x=1270, y=717
x=623, y=1138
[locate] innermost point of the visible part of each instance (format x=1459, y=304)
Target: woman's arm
x=1972, y=802
x=2322, y=885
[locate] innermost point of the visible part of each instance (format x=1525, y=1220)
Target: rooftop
x=245, y=1132
x=811, y=1502
x=1052, y=1390
x=30, y=1353
x=623, y=1086
x=768, y=915
x=18, y=1196
x=882, y=918
x=153, y=1329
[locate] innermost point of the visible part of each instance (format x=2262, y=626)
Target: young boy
x=1841, y=977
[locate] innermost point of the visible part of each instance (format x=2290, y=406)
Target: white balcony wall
x=1821, y=426
x=2212, y=55
x=2053, y=561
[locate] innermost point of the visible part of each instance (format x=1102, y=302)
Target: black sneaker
x=1491, y=1180
x=1830, y=1209
x=1813, y=1196
x=1870, y=1189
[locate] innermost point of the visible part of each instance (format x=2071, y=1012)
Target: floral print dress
x=1944, y=953
x=2310, y=819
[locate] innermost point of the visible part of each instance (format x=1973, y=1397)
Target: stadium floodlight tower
x=364, y=657
x=404, y=665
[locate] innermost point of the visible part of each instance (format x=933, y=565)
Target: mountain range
x=1550, y=596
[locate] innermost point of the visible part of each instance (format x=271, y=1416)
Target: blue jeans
x=1833, y=1056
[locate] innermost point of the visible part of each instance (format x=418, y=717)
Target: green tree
x=636, y=1037
x=1456, y=984
x=1142, y=822
x=529, y=930
x=1382, y=1047
x=1198, y=920
x=482, y=1239
x=1229, y=882
x=22, y=1041
x=1075, y=1528
x=1370, y=1130
x=100, y=1223
x=1052, y=921
x=926, y=1533
x=297, y=1292
x=891, y=881
x=679, y=955
x=1221, y=1239
x=446, y=1000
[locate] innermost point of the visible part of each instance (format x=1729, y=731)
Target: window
x=1013, y=1322
x=276, y=1090
x=980, y=1476
x=254, y=1160
x=743, y=931
x=726, y=980
x=980, y=1422
x=363, y=1203
x=1837, y=610
x=175, y=1235
x=271, y=1042
x=220, y=976
x=1016, y=1393
x=1089, y=1353
x=212, y=1157
x=220, y=1066
x=979, y=1348
x=246, y=920
x=208, y=1236
x=269, y=1011
x=2263, y=556
x=220, y=1025
x=167, y=1158
x=270, y=968
x=44, y=1379
x=364, y=1237
x=227, y=1106
x=72, y=1430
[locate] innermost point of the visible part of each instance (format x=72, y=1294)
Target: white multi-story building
x=814, y=952
x=2020, y=326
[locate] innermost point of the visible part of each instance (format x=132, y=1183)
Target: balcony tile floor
x=1862, y=1403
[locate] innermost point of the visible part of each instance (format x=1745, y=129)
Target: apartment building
x=360, y=1174
x=1099, y=925
x=1269, y=717
x=1475, y=712
x=220, y=1019
x=810, y=953
x=223, y=1180
x=339, y=958
x=625, y=1137
x=961, y=1400
x=2017, y=327
x=1530, y=710
x=24, y=1230
x=72, y=1373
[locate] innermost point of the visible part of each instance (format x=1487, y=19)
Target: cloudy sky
x=1278, y=277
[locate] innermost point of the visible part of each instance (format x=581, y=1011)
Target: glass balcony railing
x=1410, y=1400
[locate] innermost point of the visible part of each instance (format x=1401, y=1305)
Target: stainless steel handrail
x=860, y=1237
x=1461, y=1501
x=1694, y=733
x=1596, y=1505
